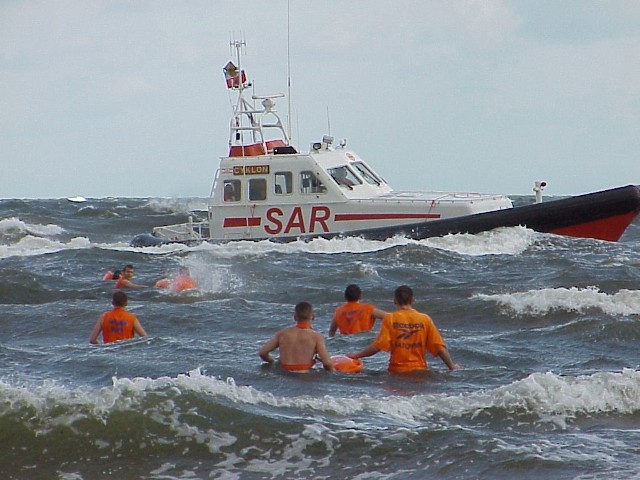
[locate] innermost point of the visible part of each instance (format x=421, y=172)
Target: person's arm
x=367, y=352
x=333, y=327
x=269, y=347
x=323, y=354
x=130, y=284
x=137, y=327
x=93, y=338
x=443, y=353
x=377, y=313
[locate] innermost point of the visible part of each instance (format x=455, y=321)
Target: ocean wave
x=90, y=211
x=538, y=302
x=30, y=246
x=14, y=228
x=503, y=241
x=224, y=427
x=549, y=397
x=176, y=205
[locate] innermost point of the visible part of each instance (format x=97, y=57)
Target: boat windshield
x=344, y=176
x=366, y=173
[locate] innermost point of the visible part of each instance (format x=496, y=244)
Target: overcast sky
x=127, y=98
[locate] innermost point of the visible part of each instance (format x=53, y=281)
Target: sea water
x=547, y=329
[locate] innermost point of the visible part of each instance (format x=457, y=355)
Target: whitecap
x=501, y=241
x=14, y=227
x=30, y=246
x=550, y=397
x=540, y=302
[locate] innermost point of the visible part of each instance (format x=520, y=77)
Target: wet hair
x=304, y=312
x=352, y=293
x=403, y=295
x=116, y=275
x=119, y=299
x=128, y=266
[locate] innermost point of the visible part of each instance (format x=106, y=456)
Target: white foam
x=213, y=279
x=548, y=396
x=177, y=205
x=14, y=225
x=501, y=241
x=45, y=230
x=537, y=302
x=164, y=249
x=314, y=246
x=29, y=246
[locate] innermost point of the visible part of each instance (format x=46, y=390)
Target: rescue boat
x=266, y=189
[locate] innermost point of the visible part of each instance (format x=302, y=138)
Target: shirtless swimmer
x=299, y=345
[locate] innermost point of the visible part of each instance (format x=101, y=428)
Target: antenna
x=289, y=68
x=328, y=121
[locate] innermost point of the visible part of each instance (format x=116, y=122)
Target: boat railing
x=191, y=230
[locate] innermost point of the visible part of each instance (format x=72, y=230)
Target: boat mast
x=249, y=122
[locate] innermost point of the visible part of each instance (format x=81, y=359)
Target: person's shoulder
x=425, y=317
x=318, y=336
x=423, y=314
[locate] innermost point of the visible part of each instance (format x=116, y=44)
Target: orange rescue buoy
x=345, y=364
x=181, y=282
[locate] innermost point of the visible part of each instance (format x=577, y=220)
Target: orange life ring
x=162, y=283
x=345, y=364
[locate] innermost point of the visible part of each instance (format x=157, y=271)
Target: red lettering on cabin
x=273, y=215
x=317, y=221
x=296, y=220
x=319, y=215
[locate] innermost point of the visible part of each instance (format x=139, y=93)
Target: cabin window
x=344, y=176
x=232, y=190
x=283, y=183
x=366, y=173
x=257, y=189
x=309, y=183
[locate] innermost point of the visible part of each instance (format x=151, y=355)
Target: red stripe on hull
x=610, y=228
x=342, y=217
x=241, y=222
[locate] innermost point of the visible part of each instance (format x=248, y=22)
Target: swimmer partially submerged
x=299, y=345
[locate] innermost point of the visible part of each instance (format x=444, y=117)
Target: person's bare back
x=298, y=345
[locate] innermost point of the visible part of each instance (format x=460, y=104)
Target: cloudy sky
x=127, y=98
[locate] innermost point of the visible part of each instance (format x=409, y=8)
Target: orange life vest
x=117, y=324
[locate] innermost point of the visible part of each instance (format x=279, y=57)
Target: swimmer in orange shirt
x=124, y=281
x=408, y=335
x=182, y=281
x=117, y=324
x=353, y=316
x=299, y=345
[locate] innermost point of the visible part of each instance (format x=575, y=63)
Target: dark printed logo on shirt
x=407, y=330
x=117, y=326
